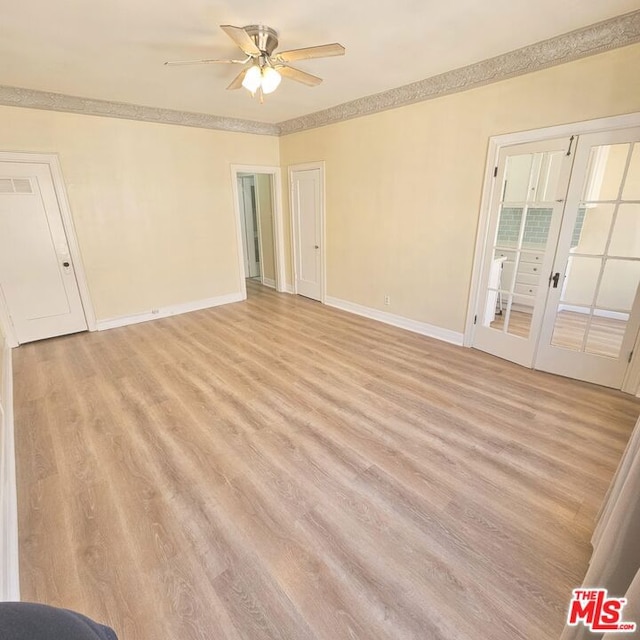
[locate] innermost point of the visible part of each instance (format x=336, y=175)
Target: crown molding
x=603, y=36
x=32, y=99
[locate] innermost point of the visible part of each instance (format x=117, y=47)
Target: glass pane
x=516, y=178
x=625, y=240
x=605, y=336
x=581, y=281
x=547, y=187
x=606, y=166
x=592, y=228
x=631, y=189
x=619, y=284
x=520, y=321
x=536, y=228
x=496, y=310
x=510, y=317
x=569, y=328
x=509, y=227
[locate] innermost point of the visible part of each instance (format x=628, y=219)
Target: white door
x=306, y=192
x=593, y=313
x=526, y=212
x=37, y=280
x=249, y=222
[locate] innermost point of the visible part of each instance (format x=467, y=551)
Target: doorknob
x=65, y=264
x=554, y=278
x=316, y=246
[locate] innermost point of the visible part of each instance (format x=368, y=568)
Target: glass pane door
x=590, y=325
x=529, y=192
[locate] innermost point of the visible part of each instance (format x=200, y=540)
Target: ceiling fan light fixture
x=252, y=79
x=270, y=79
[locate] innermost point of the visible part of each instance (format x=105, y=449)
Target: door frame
x=278, y=226
x=307, y=166
x=55, y=169
x=631, y=382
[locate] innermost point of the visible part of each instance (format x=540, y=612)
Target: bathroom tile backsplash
x=536, y=227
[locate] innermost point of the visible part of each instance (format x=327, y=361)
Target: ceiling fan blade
x=299, y=76
x=212, y=61
x=236, y=83
x=321, y=51
x=242, y=39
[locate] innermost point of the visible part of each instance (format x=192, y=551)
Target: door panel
x=526, y=213
x=36, y=273
x=591, y=320
x=307, y=214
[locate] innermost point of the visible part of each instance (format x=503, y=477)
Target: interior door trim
x=53, y=161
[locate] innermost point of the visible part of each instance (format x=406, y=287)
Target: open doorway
x=258, y=209
x=256, y=204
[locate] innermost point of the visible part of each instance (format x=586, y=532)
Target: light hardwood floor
x=276, y=469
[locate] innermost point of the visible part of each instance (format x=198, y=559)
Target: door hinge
x=475, y=319
x=495, y=172
x=630, y=356
x=571, y=139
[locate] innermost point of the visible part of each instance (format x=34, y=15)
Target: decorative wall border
x=603, y=36
x=17, y=97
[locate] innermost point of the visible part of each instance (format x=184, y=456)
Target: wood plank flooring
x=276, y=469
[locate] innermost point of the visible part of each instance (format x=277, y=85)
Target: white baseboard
x=268, y=282
x=423, y=328
x=165, y=312
x=9, y=560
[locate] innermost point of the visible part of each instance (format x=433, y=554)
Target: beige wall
x=152, y=204
x=265, y=210
x=403, y=187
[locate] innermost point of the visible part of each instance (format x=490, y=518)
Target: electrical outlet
x=387, y=300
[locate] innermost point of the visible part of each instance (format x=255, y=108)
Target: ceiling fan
x=263, y=67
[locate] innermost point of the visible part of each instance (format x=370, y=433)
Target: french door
x=562, y=265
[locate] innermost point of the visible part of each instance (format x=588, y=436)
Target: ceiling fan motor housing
x=265, y=38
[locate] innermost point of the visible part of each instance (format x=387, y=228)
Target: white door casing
x=307, y=209
x=38, y=287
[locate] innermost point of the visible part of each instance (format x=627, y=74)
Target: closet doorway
x=258, y=205
x=561, y=262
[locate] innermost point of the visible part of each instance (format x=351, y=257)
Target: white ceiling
x=115, y=49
